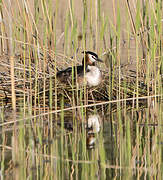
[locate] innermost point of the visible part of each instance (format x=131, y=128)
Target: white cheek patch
x=91, y=57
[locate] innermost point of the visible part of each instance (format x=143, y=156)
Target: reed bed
x=126, y=89
x=43, y=123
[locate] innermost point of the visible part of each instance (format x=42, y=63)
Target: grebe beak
x=99, y=60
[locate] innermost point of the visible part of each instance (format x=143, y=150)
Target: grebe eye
x=93, y=57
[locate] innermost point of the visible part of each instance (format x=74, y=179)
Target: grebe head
x=90, y=58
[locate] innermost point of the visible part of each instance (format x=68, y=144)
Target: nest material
x=42, y=87
x=108, y=87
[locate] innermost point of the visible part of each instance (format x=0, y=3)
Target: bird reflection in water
x=93, y=127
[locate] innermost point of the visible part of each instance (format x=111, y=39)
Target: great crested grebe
x=92, y=73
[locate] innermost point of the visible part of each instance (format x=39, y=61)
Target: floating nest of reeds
x=42, y=88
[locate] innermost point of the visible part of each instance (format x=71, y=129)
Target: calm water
x=126, y=145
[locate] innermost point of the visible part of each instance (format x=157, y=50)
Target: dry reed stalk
x=12, y=83
x=131, y=18
x=11, y=57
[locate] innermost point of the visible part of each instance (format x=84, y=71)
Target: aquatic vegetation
x=50, y=130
